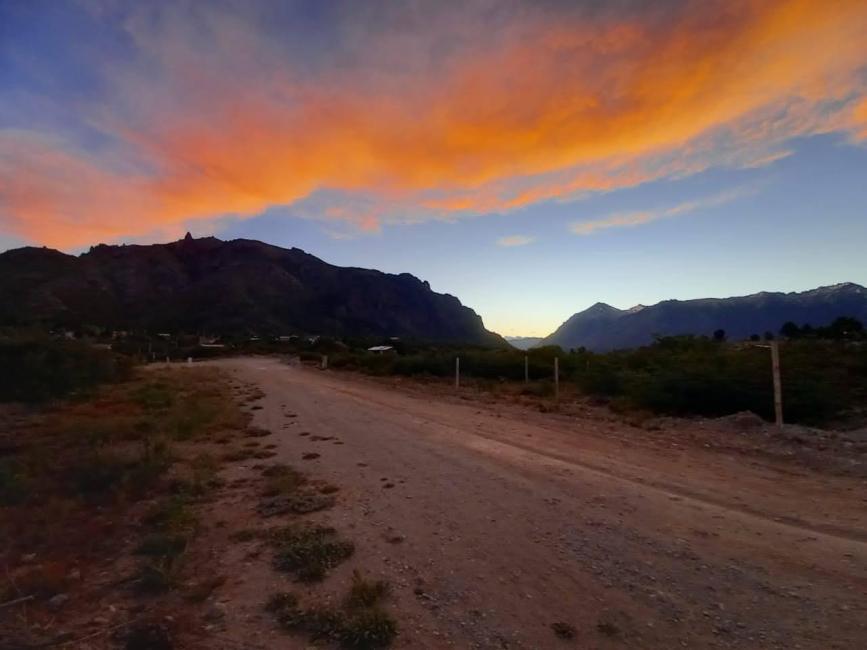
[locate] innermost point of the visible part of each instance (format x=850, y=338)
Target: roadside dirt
x=493, y=522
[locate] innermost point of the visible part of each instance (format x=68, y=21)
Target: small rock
x=58, y=601
x=216, y=612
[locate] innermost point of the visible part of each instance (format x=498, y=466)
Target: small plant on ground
x=370, y=627
x=282, y=479
x=563, y=630
x=14, y=482
x=360, y=623
x=310, y=552
x=364, y=592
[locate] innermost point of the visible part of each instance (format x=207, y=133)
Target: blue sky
x=802, y=224
x=531, y=159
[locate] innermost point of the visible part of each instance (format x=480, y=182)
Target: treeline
x=842, y=329
x=35, y=367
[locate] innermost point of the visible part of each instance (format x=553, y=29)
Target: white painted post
x=526, y=369
x=189, y=361
x=324, y=364
x=457, y=372
x=556, y=379
x=778, y=386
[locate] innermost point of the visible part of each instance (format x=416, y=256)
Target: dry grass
x=309, y=552
x=75, y=476
x=359, y=623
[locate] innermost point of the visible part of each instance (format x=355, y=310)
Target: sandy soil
x=492, y=522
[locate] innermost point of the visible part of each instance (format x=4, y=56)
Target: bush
x=38, y=369
x=695, y=376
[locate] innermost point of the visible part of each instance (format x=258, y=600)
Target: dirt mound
x=742, y=421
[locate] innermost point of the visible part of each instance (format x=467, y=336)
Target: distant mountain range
x=603, y=327
x=524, y=342
x=212, y=286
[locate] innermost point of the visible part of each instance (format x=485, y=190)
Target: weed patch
x=360, y=623
x=14, y=482
x=309, y=552
x=563, y=630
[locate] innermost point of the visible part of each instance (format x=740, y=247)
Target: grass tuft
x=563, y=630
x=364, y=592
x=310, y=552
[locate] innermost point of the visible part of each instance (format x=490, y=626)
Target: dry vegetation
x=102, y=502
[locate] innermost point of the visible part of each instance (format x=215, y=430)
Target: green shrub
x=14, y=482
x=310, y=552
x=38, y=369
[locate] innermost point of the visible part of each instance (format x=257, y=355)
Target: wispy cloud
x=214, y=111
x=515, y=240
x=639, y=217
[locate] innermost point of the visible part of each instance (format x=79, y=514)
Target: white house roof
x=380, y=348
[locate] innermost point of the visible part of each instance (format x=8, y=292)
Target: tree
x=845, y=327
x=790, y=330
x=719, y=335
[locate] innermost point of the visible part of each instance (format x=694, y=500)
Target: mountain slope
x=602, y=327
x=209, y=285
x=524, y=342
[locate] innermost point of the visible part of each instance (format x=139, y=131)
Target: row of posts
x=775, y=368
x=526, y=374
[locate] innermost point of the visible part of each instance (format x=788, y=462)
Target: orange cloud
x=541, y=106
x=859, y=116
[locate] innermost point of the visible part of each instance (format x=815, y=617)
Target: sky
x=530, y=158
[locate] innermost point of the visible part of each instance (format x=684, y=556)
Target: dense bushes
x=684, y=376
x=35, y=369
x=822, y=380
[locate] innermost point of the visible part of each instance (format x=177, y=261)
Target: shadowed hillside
x=603, y=327
x=208, y=285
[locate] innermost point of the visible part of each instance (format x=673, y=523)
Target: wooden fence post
x=556, y=379
x=526, y=369
x=778, y=386
x=457, y=372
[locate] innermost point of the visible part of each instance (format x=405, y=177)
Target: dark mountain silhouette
x=213, y=286
x=602, y=327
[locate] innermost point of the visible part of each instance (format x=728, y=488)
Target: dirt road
x=493, y=522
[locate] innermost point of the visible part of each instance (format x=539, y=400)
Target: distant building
x=381, y=349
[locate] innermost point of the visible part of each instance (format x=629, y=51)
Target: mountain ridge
x=211, y=285
x=602, y=327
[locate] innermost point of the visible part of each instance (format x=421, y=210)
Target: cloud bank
x=380, y=114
